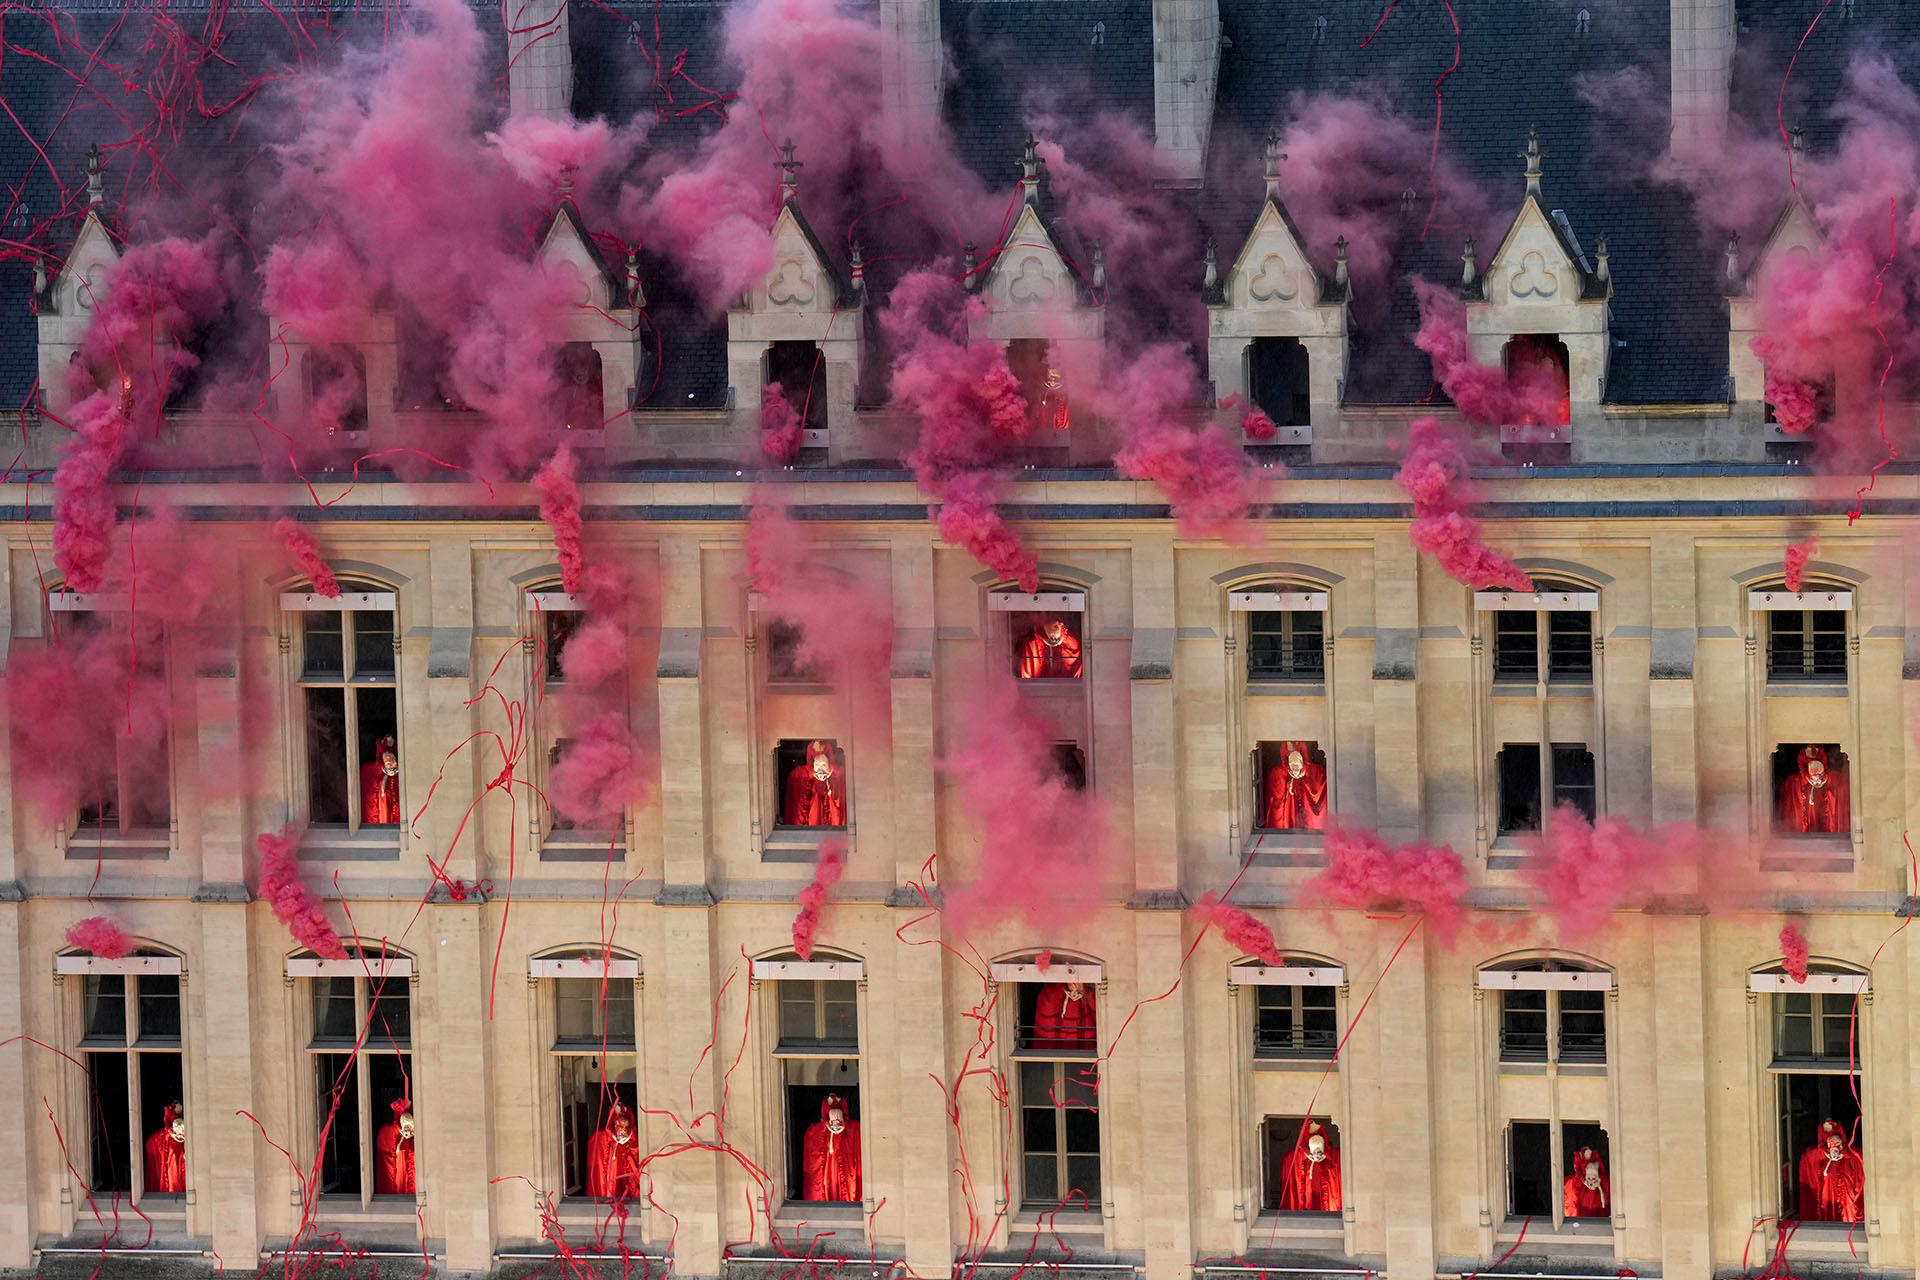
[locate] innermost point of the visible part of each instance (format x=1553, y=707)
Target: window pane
x=112, y=1145
x=1042, y=1180
x=842, y=1011
x=161, y=1086
x=1083, y=1181
x=1794, y=1036
x=588, y=1095
x=373, y=644
x=106, y=1007
x=1573, y=780
x=378, y=728
x=337, y=1119
x=1039, y=1128
x=321, y=653
x=1570, y=646
x=391, y=1023
x=1285, y=645
x=1530, y=1170
x=1828, y=631
x=797, y=1011
x=1080, y=1086
x=1583, y=1026
x=389, y=1081
x=159, y=1007
x=1083, y=1131
x=333, y=1012
x=574, y=1001
x=558, y=625
x=1519, y=769
x=1523, y=1026
x=327, y=755
x=1036, y=1084
x=1516, y=651
x=1837, y=1042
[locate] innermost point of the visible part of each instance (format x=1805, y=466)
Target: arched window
x=817, y=1013
x=359, y=1012
x=131, y=1046
x=1818, y=1028
x=590, y=995
x=344, y=656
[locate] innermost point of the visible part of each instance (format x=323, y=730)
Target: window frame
x=356, y=596
x=85, y=839
x=1815, y=597
x=1302, y=1048
x=364, y=967
x=1554, y=978
x=1546, y=781
x=771, y=974
x=620, y=976
x=1551, y=596
x=1059, y=1105
x=134, y=1045
x=548, y=732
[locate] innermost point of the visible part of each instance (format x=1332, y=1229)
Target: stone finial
x=636, y=295
x=1533, y=155
x=1408, y=199
x=96, y=180
x=1797, y=142
x=789, y=172
x=1340, y=261
x=968, y=262
x=1468, y=271
x=1212, y=276
x=1601, y=271
x=1099, y=278
x=39, y=277
x=1274, y=156
x=857, y=270
x=1733, y=260
x=1030, y=166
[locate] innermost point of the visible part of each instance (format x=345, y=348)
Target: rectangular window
x=1569, y=645
x=1530, y=1189
x=1289, y=786
x=364, y=1120
x=787, y=657
x=819, y=1015
x=1572, y=780
x=1558, y=1026
x=1815, y=1027
x=129, y=789
x=1295, y=1022
x=596, y=1059
x=1047, y=646
x=130, y=1045
x=556, y=627
x=1822, y=1146
x=1807, y=644
x=347, y=680
x=1278, y=380
x=1811, y=789
x=819, y=1056
x=1523, y=1026
x=1057, y=1017
x=1291, y=1182
x=811, y=783
x=1060, y=1135
x=1286, y=645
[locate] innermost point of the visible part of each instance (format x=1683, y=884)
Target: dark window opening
x=579, y=398
x=1537, y=369
x=1278, y=382
x=135, y=1084
x=1060, y=1135
x=426, y=361
x=599, y=1103
x=1047, y=646
x=788, y=661
x=1516, y=645
x=1568, y=1026
x=127, y=787
x=1530, y=1189
x=556, y=628
x=1583, y=1026
x=338, y=1108
x=1295, y=1022
x=337, y=388
x=1286, y=645
x=800, y=372
x=835, y=1177
x=1812, y=789
x=349, y=1085
x=811, y=777
x=1807, y=644
x=1057, y=1017
x=1289, y=1183
x=1070, y=762
x=113, y=1127
x=1045, y=390
x=1289, y=786
x=1523, y=1026
x=330, y=757
x=1813, y=1107
x=1573, y=783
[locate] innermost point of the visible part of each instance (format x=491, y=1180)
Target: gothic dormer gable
x=1273, y=271
x=1795, y=237
x=566, y=248
x=81, y=281
x=1537, y=265
x=1029, y=273
x=802, y=279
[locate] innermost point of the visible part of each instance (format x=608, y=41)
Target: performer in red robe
x=1533, y=366
x=830, y=1154
x=167, y=1152
x=393, y=1158
x=1310, y=1175
x=1053, y=402
x=1815, y=797
x=613, y=1158
x=380, y=784
x=1585, y=1192
x=1052, y=652
x=1833, y=1181
x=816, y=791
x=1296, y=792
x=1063, y=1016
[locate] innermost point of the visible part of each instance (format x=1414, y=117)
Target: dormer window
x=1045, y=391
x=579, y=402
x=1537, y=366
x=800, y=371
x=1277, y=380
x=336, y=389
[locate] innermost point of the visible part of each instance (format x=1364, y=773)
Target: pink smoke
x=1210, y=481
x=90, y=715
x=101, y=936
x=1239, y=928
x=599, y=774
x=1483, y=392
x=826, y=874
x=1253, y=420
x=1363, y=874
x=1045, y=855
x=1798, y=554
x=1794, y=949
x=846, y=627
x=1434, y=475
x=83, y=499
x=304, y=550
x=780, y=430
x=1582, y=872
x=560, y=508
x=294, y=904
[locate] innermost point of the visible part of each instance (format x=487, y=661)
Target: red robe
x=166, y=1161
x=613, y=1167
x=830, y=1162
x=1831, y=1190
x=393, y=1166
x=1296, y=804
x=815, y=802
x=1042, y=661
x=1807, y=808
x=1581, y=1201
x=1534, y=365
x=1064, y=1022
x=1310, y=1186
x=379, y=794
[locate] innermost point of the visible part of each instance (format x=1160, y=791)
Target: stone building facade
x=511, y=966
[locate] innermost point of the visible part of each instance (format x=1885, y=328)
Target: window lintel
x=1277, y=601
x=381, y=966
x=553, y=602
x=1263, y=975
x=1783, y=601
x=1537, y=601
x=811, y=970
x=615, y=967
x=1036, y=602
x=1058, y=971
x=63, y=601
x=1780, y=981
x=78, y=962
x=1543, y=980
x=345, y=602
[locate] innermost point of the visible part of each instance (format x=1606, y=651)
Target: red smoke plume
x=294, y=904
x=90, y=716
x=304, y=550
x=560, y=508
x=1253, y=420
x=1044, y=850
x=101, y=936
x=1239, y=928
x=846, y=628
x=826, y=874
x=1208, y=478
x=1363, y=874
x=600, y=771
x=780, y=430
x=1483, y=392
x=1797, y=556
x=1794, y=948
x=1582, y=872
x=1434, y=475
